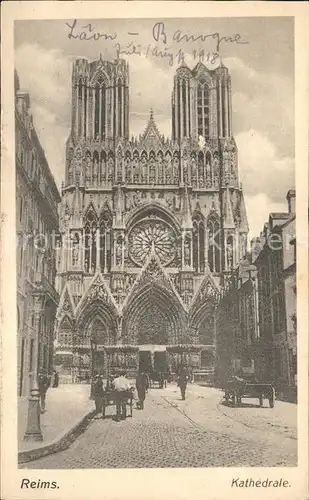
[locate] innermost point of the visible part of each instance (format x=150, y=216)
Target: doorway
x=160, y=362
x=145, y=364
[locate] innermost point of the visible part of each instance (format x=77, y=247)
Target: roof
x=279, y=215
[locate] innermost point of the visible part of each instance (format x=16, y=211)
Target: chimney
x=291, y=197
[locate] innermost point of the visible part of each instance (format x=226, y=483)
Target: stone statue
x=75, y=255
x=119, y=251
x=110, y=169
x=88, y=167
x=187, y=251
x=95, y=169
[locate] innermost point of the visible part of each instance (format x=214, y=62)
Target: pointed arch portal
x=153, y=317
x=97, y=322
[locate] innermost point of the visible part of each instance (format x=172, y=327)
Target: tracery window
x=120, y=103
x=80, y=98
x=103, y=110
x=184, y=104
x=97, y=110
x=148, y=233
x=199, y=243
x=203, y=109
x=214, y=247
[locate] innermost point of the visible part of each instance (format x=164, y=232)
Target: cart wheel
x=239, y=401
x=261, y=400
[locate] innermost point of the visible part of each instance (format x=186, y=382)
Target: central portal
x=152, y=317
x=153, y=326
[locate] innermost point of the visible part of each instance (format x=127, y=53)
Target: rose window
x=152, y=233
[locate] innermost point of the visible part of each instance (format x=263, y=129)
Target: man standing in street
x=43, y=384
x=142, y=385
x=122, y=390
x=183, y=378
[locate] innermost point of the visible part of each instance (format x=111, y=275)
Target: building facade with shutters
x=149, y=226
x=37, y=223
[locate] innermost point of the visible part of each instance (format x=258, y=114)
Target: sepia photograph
x=156, y=245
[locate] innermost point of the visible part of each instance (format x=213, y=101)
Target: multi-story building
x=257, y=312
x=276, y=265
x=149, y=226
x=36, y=222
x=238, y=325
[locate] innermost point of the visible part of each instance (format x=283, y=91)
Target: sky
x=260, y=60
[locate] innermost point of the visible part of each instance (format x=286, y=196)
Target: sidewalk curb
x=59, y=444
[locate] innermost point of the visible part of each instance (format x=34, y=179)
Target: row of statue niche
x=134, y=200
x=160, y=170
x=201, y=173
x=156, y=170
x=100, y=169
x=230, y=166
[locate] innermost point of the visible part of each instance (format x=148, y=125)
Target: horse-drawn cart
x=238, y=388
x=112, y=398
x=159, y=378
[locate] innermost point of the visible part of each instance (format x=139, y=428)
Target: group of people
x=122, y=390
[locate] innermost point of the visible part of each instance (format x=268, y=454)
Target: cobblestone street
x=197, y=432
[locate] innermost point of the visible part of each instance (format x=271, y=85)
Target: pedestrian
x=43, y=384
x=98, y=393
x=142, y=386
x=183, y=378
x=56, y=379
x=122, y=390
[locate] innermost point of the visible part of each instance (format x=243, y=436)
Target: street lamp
x=33, y=430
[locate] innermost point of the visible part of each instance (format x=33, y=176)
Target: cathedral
x=150, y=227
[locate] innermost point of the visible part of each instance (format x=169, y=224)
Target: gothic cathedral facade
x=150, y=226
